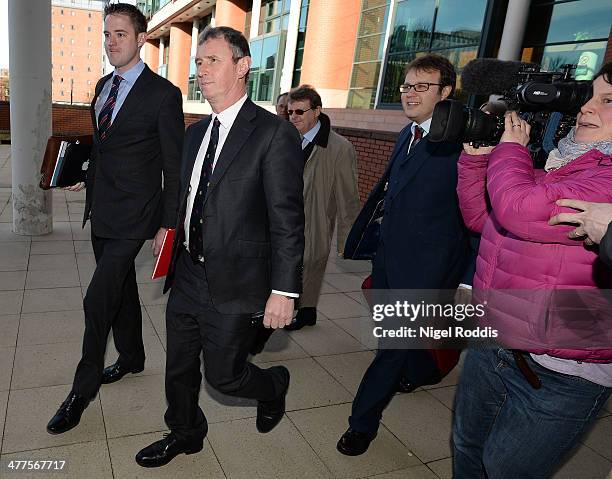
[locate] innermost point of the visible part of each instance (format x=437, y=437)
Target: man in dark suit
x=423, y=242
x=138, y=133
x=237, y=256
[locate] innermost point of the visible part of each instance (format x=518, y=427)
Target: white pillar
x=514, y=30
x=162, y=46
x=255, y=13
x=290, y=46
x=30, y=83
x=195, y=33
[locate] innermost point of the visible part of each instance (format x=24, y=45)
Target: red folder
x=164, y=256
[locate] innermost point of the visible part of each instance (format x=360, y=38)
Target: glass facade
x=274, y=16
x=301, y=41
x=265, y=67
x=445, y=27
x=369, y=53
x=561, y=32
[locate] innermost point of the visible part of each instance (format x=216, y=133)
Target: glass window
x=588, y=56
x=274, y=16
x=369, y=48
x=368, y=53
x=457, y=25
x=264, y=66
x=269, y=52
x=373, y=21
x=456, y=28
x=555, y=22
x=301, y=41
x=255, y=48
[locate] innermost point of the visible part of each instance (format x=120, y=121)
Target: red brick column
x=151, y=54
x=178, y=58
x=231, y=13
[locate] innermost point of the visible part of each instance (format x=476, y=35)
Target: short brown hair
x=435, y=63
x=306, y=92
x=139, y=22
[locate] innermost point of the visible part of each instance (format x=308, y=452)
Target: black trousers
x=194, y=326
x=380, y=381
x=111, y=301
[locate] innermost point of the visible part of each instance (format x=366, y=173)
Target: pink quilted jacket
x=519, y=249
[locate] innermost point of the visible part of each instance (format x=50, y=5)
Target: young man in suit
x=423, y=242
x=237, y=256
x=138, y=133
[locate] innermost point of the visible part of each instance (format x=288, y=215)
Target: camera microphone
x=487, y=76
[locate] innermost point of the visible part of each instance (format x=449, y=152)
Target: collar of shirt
x=310, y=134
x=426, y=125
x=132, y=74
x=228, y=116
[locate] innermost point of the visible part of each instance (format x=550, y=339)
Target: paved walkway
x=42, y=280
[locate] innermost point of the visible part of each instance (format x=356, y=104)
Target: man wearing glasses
x=330, y=194
x=423, y=242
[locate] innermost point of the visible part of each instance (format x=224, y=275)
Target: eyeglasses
x=420, y=87
x=297, y=112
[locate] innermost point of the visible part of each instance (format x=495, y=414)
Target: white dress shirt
x=426, y=125
x=129, y=79
x=226, y=121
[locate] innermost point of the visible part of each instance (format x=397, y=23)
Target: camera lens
x=454, y=122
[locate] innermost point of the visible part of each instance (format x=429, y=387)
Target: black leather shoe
x=354, y=443
x=270, y=413
x=115, y=372
x=68, y=415
x=304, y=317
x=405, y=386
x=163, y=451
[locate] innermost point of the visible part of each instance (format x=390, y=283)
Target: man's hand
x=279, y=311
x=78, y=187
x=592, y=221
x=158, y=240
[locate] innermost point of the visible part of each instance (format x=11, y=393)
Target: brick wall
x=5, y=116
x=373, y=147
x=373, y=151
x=71, y=119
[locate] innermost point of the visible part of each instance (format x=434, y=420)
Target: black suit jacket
x=423, y=242
x=605, y=247
x=124, y=179
x=253, y=218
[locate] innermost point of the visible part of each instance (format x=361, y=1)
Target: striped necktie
x=416, y=137
x=106, y=113
x=197, y=213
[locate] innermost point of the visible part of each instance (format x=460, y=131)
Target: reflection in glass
x=255, y=47
x=579, y=21
x=269, y=51
x=457, y=25
x=551, y=57
x=413, y=25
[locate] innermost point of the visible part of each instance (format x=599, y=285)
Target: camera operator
x=519, y=413
x=594, y=225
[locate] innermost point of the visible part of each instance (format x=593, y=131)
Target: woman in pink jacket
x=519, y=413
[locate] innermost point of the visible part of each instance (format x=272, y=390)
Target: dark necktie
x=416, y=137
x=197, y=213
x=106, y=113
